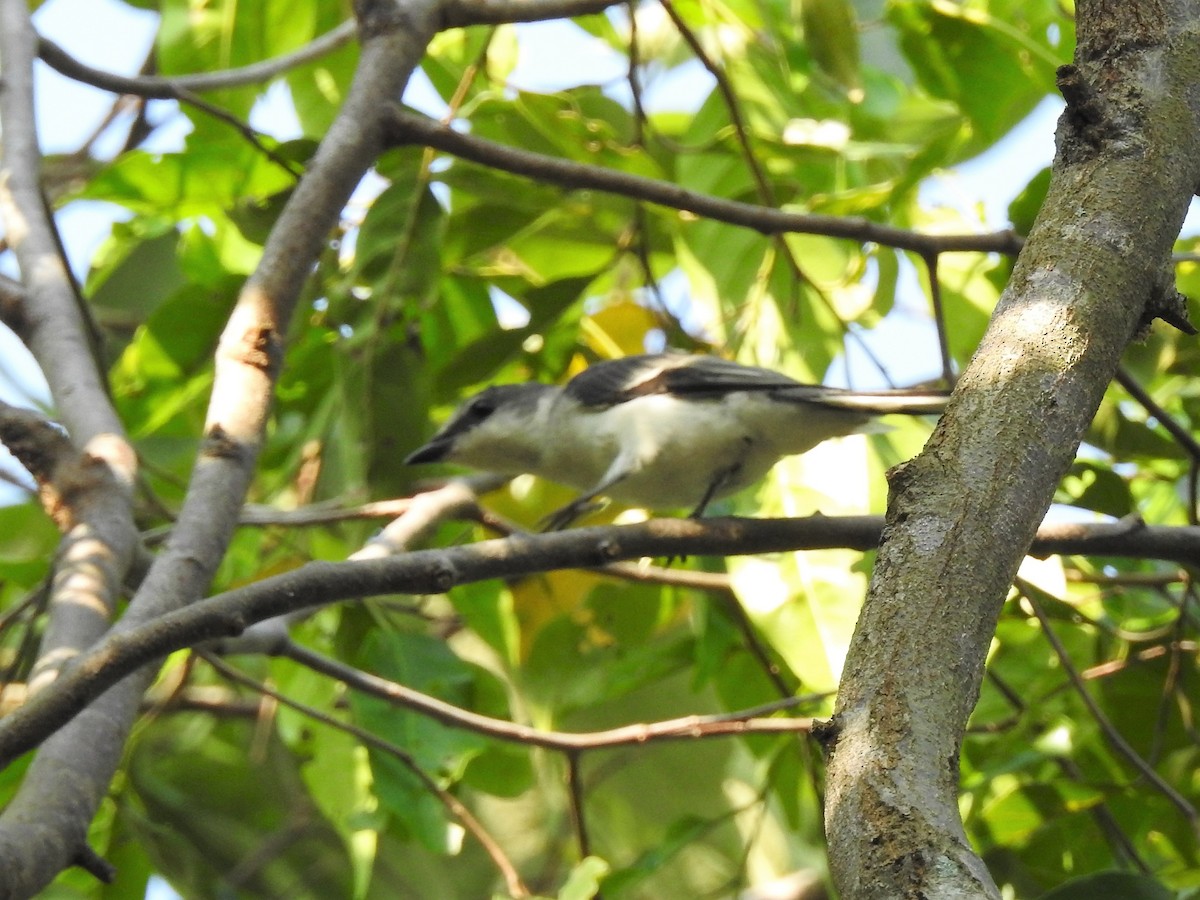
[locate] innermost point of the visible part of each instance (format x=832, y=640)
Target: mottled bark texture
x=963, y=513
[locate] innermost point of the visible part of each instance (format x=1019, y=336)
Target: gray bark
x=963, y=513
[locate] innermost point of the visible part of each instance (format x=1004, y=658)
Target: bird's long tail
x=904, y=402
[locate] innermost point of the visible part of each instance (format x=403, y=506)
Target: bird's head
x=498, y=430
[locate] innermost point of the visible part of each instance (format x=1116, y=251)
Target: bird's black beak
x=434, y=451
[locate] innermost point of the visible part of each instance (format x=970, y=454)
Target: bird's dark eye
x=483, y=407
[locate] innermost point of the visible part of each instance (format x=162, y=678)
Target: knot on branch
x=65, y=478
x=825, y=733
x=38, y=445
x=1167, y=303
x=220, y=444
x=261, y=348
x=1084, y=103
x=1103, y=108
x=12, y=308
x=607, y=550
x=442, y=576
x=94, y=864
x=377, y=17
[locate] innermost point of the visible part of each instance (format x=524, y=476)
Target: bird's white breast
x=670, y=450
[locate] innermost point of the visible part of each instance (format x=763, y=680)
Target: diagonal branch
x=454, y=806
x=81, y=759
x=410, y=128
x=151, y=86
x=1122, y=747
x=962, y=514
x=93, y=486
x=740, y=129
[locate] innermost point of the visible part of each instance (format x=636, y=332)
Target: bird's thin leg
x=723, y=478
x=581, y=505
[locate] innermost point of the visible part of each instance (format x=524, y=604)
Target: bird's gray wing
x=619, y=380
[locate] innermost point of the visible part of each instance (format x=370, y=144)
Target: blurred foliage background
x=445, y=276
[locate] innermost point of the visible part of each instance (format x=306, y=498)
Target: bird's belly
x=670, y=488
x=683, y=450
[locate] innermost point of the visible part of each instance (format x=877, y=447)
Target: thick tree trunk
x=1095, y=269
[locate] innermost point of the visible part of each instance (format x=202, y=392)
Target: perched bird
x=659, y=430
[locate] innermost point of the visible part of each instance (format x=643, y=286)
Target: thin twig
x=577, y=803
x=729, y=96
x=1176, y=429
x=748, y=721
x=939, y=317
x=453, y=805
x=1114, y=737
x=1122, y=845
x=632, y=74
x=149, y=86
x=157, y=88
x=1113, y=666
x=411, y=128
x=1171, y=684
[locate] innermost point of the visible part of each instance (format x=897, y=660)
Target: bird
x=656, y=430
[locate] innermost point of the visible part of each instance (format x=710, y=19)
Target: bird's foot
x=561, y=518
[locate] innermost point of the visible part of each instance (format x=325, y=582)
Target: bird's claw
x=561, y=518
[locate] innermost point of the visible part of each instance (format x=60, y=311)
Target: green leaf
x=585, y=879
x=680, y=835
x=1096, y=487
x=831, y=35
x=142, y=271
x=994, y=63
x=487, y=609
x=427, y=665
x=500, y=770
x=1024, y=209
x=28, y=536
x=319, y=88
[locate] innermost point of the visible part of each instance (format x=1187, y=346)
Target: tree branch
x=49, y=817
x=453, y=805
x=963, y=513
x=35, y=846
x=157, y=88
x=748, y=721
x=461, y=13
x=411, y=128
x=228, y=614
x=162, y=87
x=58, y=333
